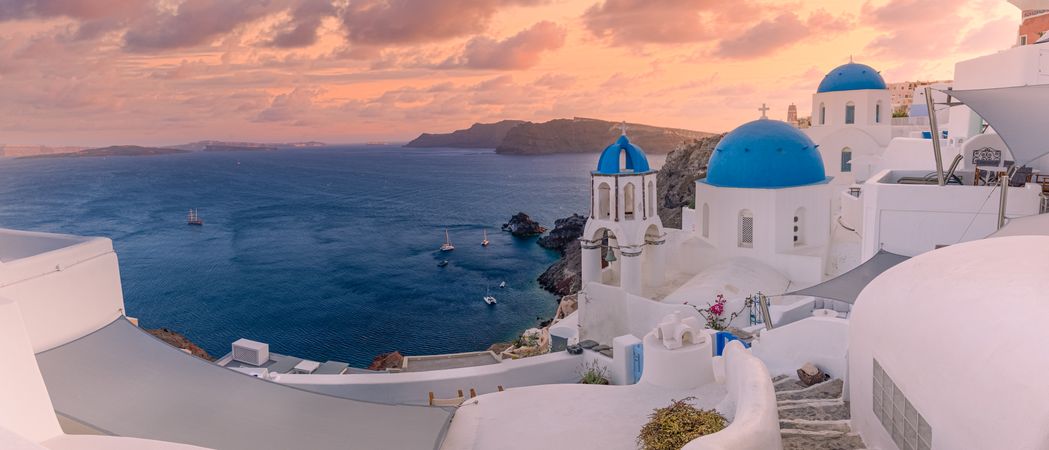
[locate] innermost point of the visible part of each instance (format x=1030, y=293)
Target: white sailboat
x=488, y=298
x=484, y=243
x=447, y=245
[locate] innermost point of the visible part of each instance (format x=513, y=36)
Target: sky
x=162, y=72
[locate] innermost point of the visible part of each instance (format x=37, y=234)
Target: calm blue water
x=325, y=253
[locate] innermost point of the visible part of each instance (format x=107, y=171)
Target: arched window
x=628, y=201
x=823, y=114
x=706, y=221
x=651, y=199
x=746, y=229
x=799, y=227
x=877, y=113
x=850, y=113
x=604, y=201
x=846, y=159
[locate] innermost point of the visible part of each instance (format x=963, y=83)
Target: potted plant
x=714, y=313
x=673, y=426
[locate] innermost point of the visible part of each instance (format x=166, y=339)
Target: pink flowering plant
x=714, y=313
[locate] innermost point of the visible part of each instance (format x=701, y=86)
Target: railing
x=855, y=192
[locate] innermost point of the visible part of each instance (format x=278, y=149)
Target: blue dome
x=852, y=77
x=636, y=162
x=765, y=154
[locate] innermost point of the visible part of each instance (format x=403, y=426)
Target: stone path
x=815, y=417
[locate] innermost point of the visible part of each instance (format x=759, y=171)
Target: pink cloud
x=393, y=22
x=517, y=52
x=635, y=22
x=779, y=32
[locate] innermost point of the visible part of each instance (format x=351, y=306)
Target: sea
x=325, y=253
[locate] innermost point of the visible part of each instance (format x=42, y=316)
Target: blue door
x=637, y=362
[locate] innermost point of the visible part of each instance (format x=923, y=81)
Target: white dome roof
x=961, y=331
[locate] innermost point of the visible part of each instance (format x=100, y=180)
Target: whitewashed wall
x=65, y=286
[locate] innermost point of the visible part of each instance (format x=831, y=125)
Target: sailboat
x=485, y=242
x=193, y=218
x=447, y=245
x=488, y=298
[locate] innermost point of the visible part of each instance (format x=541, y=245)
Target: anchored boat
x=193, y=218
x=447, y=245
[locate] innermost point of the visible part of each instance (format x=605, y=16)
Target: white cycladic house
x=623, y=239
x=943, y=353
x=851, y=121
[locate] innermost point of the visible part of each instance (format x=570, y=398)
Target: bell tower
x=623, y=239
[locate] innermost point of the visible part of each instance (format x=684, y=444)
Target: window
x=628, y=201
x=746, y=229
x=850, y=113
x=799, y=227
x=706, y=220
x=823, y=114
x=604, y=201
x=905, y=424
x=846, y=159
x=1023, y=39
x=877, y=113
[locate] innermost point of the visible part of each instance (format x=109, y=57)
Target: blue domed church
x=851, y=121
x=766, y=197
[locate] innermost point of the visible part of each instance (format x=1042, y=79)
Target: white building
x=851, y=121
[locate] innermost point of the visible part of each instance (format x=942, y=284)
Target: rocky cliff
x=677, y=178
x=479, y=135
x=580, y=135
x=177, y=340
x=563, y=277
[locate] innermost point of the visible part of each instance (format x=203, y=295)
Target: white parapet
x=66, y=286
x=755, y=424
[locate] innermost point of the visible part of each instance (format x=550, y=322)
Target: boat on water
x=447, y=245
x=442, y=263
x=502, y=285
x=484, y=243
x=193, y=218
x=489, y=299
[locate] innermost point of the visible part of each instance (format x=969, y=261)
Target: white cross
x=622, y=127
x=764, y=109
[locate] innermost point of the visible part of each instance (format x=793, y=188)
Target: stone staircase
x=815, y=417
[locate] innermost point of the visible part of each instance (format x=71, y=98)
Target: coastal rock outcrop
x=479, y=135
x=566, y=231
x=677, y=178
x=521, y=225
x=563, y=277
x=391, y=360
x=177, y=340
x=581, y=135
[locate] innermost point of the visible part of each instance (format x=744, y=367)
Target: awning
x=847, y=286
x=1037, y=225
x=1017, y=114
x=125, y=382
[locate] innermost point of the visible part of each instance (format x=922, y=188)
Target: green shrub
x=593, y=373
x=671, y=427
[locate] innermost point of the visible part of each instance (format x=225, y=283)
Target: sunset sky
x=101, y=72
